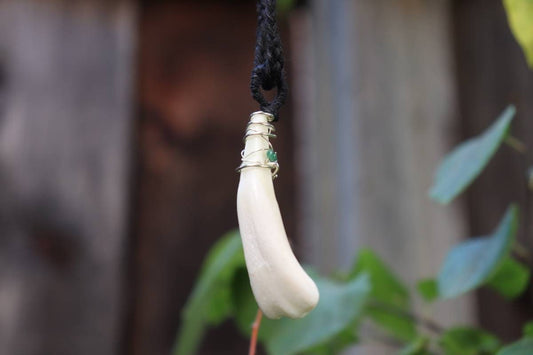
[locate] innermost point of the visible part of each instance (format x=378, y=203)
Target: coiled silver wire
x=246, y=162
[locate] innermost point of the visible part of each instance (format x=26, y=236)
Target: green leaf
x=210, y=302
x=428, y=289
x=339, y=306
x=510, y=279
x=332, y=296
x=520, y=17
x=468, y=341
x=387, y=295
x=521, y=347
x=471, y=263
x=339, y=342
x=244, y=302
x=417, y=347
x=461, y=167
x=528, y=330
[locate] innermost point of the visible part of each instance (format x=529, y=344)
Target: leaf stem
x=523, y=254
x=373, y=338
x=429, y=324
x=516, y=144
x=255, y=332
x=521, y=251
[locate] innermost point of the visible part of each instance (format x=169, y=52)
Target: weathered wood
x=65, y=147
x=375, y=117
x=492, y=73
x=195, y=65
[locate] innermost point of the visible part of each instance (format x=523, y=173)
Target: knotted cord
x=268, y=72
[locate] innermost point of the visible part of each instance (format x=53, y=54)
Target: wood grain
x=195, y=102
x=491, y=74
x=376, y=106
x=65, y=147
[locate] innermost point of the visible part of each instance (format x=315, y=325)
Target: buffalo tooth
x=280, y=285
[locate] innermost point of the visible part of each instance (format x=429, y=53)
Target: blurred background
x=121, y=124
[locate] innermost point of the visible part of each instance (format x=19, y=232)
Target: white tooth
x=280, y=286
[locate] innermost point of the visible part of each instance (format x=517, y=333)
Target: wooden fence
x=121, y=126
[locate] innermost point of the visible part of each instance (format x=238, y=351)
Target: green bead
x=272, y=155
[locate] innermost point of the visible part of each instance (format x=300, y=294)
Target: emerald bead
x=272, y=155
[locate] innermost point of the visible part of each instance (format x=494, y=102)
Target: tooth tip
x=302, y=302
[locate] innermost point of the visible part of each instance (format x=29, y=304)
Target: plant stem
x=255, y=332
x=420, y=320
x=521, y=251
x=516, y=144
x=372, y=337
x=523, y=254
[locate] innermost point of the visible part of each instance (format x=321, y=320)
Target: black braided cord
x=268, y=72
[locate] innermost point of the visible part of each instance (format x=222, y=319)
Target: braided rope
x=268, y=72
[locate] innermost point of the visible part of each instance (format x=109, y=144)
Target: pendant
x=280, y=285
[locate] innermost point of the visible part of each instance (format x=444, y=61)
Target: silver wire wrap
x=250, y=131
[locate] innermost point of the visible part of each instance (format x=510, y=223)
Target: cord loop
x=268, y=72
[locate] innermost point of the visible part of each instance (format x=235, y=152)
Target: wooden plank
x=195, y=65
x=65, y=147
x=375, y=117
x=492, y=73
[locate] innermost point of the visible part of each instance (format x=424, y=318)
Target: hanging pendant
x=280, y=285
